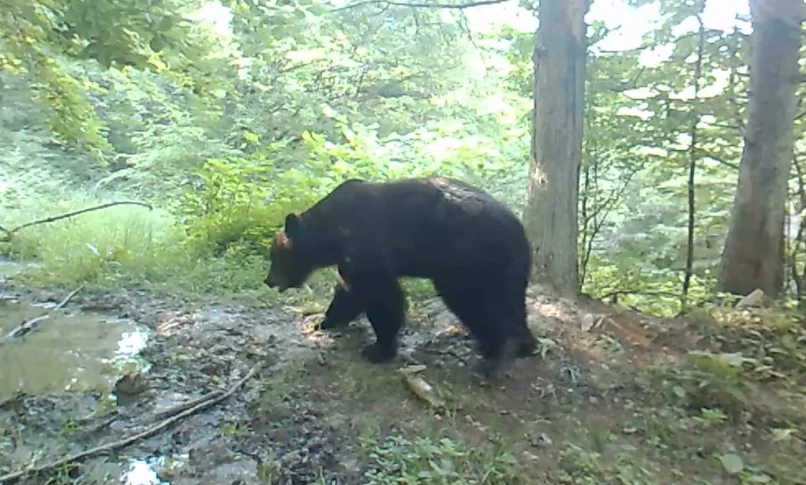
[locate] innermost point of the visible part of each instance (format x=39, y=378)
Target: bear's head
x=289, y=267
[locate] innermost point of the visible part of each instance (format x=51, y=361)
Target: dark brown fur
x=472, y=247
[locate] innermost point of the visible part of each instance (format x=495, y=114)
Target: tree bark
x=753, y=256
x=556, y=153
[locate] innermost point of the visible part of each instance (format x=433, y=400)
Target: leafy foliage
x=230, y=115
x=422, y=460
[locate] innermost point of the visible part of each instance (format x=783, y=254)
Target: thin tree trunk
x=753, y=256
x=556, y=153
x=692, y=163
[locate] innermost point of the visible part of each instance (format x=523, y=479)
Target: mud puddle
x=67, y=352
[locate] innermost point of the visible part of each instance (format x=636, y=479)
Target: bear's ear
x=292, y=225
x=281, y=240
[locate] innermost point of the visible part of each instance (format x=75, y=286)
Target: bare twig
x=10, y=232
x=116, y=445
x=721, y=161
x=67, y=298
x=166, y=413
x=423, y=390
x=662, y=294
x=26, y=327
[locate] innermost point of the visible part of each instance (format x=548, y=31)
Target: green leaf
x=348, y=133
x=166, y=23
x=158, y=42
x=732, y=463
x=328, y=111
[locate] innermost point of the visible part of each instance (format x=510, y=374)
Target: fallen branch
x=617, y=293
x=422, y=389
x=165, y=413
x=26, y=327
x=15, y=476
x=9, y=233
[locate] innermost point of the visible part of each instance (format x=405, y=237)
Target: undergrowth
x=759, y=367
x=208, y=237
x=442, y=461
x=123, y=246
x=131, y=247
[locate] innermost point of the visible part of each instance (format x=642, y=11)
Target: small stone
x=130, y=384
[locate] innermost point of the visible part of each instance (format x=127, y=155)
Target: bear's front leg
x=344, y=308
x=385, y=303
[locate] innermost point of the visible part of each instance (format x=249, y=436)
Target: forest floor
x=614, y=397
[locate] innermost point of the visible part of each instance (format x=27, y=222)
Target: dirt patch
x=586, y=410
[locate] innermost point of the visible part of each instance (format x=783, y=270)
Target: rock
x=754, y=299
x=128, y=387
x=211, y=452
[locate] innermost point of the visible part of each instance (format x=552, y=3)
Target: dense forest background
x=654, y=149
x=227, y=116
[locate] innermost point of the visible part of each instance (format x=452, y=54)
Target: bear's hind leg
x=469, y=301
x=512, y=307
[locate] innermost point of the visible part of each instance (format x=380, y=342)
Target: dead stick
x=11, y=232
x=186, y=405
x=67, y=298
x=15, y=476
x=26, y=326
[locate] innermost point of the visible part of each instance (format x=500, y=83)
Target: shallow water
x=77, y=352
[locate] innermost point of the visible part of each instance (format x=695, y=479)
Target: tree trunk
x=556, y=153
x=753, y=256
x=692, y=162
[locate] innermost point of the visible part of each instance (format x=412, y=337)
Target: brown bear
x=472, y=247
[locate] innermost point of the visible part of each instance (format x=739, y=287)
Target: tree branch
x=615, y=294
x=722, y=162
x=456, y=6
x=10, y=232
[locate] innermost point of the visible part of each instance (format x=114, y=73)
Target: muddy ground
x=608, y=400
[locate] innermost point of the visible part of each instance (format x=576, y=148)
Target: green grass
x=447, y=460
x=124, y=243
x=130, y=246
x=122, y=246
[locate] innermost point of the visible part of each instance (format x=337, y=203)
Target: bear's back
x=427, y=224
